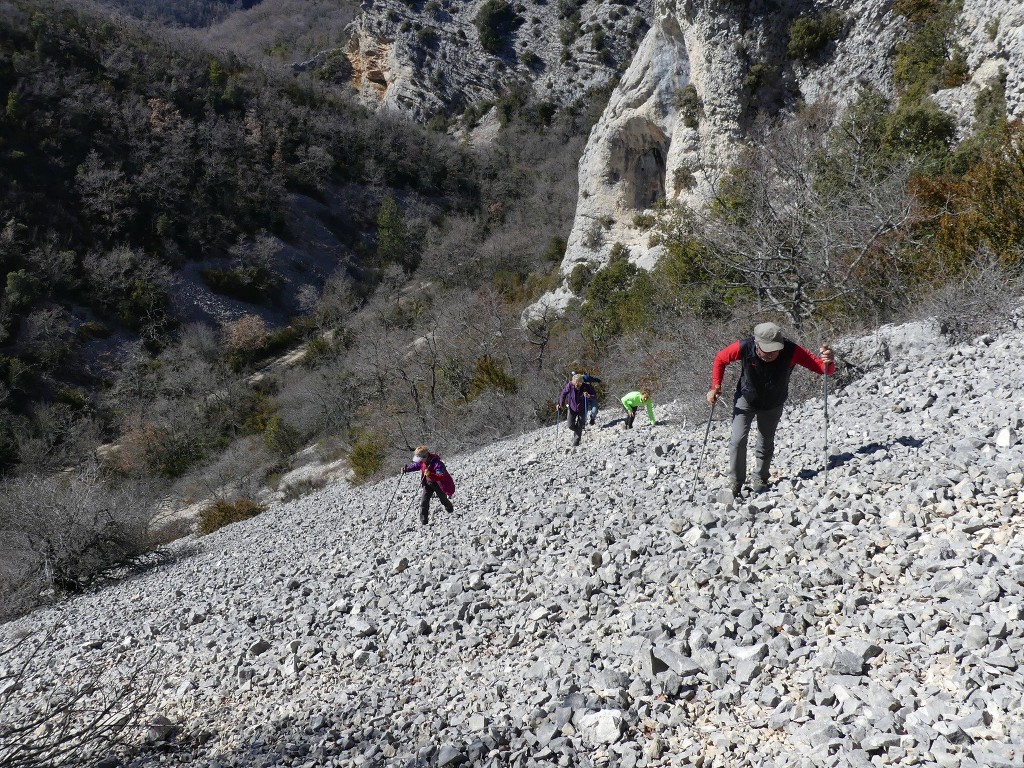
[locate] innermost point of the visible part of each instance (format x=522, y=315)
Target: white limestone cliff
x=645, y=150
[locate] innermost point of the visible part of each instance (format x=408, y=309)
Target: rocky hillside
x=578, y=609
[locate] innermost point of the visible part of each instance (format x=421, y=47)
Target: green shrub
x=303, y=487
x=920, y=129
x=144, y=302
x=809, y=35
x=644, y=220
x=618, y=253
x=366, y=457
x=532, y=61
x=929, y=58
x=918, y=10
x=318, y=350
x=683, y=178
x=495, y=22
x=223, y=512
x=758, y=76
x=281, y=438
x=568, y=32
x=76, y=399
x=690, y=105
x=438, y=123
x=579, y=279
x=619, y=299
x=556, y=249
x=489, y=374
x=593, y=238
x=252, y=283
x=92, y=329
x=22, y=289
x=334, y=68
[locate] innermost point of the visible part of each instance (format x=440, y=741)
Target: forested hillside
x=125, y=157
x=187, y=13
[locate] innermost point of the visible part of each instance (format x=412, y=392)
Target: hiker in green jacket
x=632, y=402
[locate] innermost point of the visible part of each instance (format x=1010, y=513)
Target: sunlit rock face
x=695, y=89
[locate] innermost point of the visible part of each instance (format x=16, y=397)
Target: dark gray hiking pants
x=764, y=446
x=432, y=489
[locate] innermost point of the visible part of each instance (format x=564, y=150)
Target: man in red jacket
x=767, y=360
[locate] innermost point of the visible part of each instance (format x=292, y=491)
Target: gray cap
x=768, y=337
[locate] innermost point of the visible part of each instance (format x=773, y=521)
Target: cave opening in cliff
x=640, y=165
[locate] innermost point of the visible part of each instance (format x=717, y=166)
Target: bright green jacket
x=634, y=400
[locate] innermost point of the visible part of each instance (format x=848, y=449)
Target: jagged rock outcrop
x=992, y=36
x=653, y=143
x=426, y=59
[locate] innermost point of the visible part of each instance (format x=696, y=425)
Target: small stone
x=847, y=663
x=677, y=662
x=1002, y=661
x=259, y=647
x=361, y=627
x=603, y=727
x=158, y=729
x=362, y=659
x=756, y=652
x=449, y=755
x=1006, y=437
x=877, y=742
x=747, y=670
x=422, y=627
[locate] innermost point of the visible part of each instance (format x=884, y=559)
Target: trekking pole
x=394, y=493
x=700, y=459
x=824, y=384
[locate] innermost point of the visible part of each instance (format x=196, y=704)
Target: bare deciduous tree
x=799, y=238
x=58, y=529
x=82, y=713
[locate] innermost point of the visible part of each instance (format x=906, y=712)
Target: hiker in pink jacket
x=434, y=478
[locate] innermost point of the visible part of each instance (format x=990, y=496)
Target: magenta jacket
x=433, y=471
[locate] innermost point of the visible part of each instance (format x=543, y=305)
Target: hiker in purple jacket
x=577, y=397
